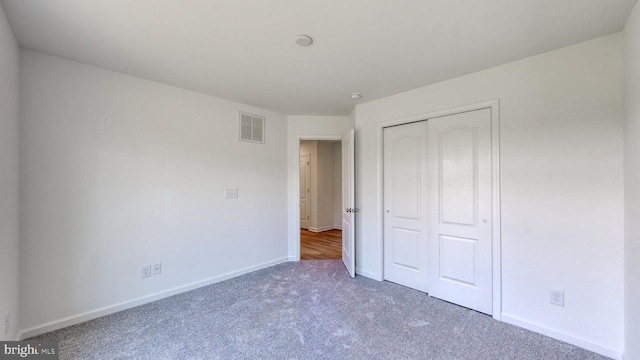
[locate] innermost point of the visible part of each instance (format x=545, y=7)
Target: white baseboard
x=111, y=309
x=324, y=228
x=585, y=344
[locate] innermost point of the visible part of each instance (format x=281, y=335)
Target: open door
x=349, y=209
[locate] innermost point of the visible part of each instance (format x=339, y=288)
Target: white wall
x=632, y=186
x=325, y=183
x=119, y=172
x=9, y=241
x=303, y=127
x=561, y=185
x=337, y=185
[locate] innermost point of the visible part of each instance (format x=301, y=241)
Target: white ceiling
x=244, y=50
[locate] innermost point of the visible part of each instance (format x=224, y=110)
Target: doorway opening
x=320, y=200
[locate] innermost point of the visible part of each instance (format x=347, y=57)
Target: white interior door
x=460, y=213
x=305, y=190
x=349, y=209
x=406, y=241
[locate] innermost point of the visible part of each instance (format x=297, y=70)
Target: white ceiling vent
x=251, y=128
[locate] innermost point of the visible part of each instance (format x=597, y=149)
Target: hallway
x=326, y=245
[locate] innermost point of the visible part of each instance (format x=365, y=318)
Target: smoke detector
x=304, y=40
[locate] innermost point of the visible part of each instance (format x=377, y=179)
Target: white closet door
x=460, y=209
x=406, y=205
x=305, y=190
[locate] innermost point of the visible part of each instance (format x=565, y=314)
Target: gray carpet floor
x=304, y=310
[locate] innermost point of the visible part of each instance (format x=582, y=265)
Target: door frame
x=494, y=105
x=295, y=234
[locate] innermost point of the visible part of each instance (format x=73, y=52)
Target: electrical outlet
x=556, y=297
x=7, y=323
x=157, y=268
x=145, y=271
x=232, y=193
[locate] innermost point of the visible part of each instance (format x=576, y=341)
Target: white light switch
x=232, y=193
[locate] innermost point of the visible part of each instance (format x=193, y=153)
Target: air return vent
x=251, y=128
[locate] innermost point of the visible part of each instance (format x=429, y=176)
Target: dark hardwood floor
x=324, y=245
